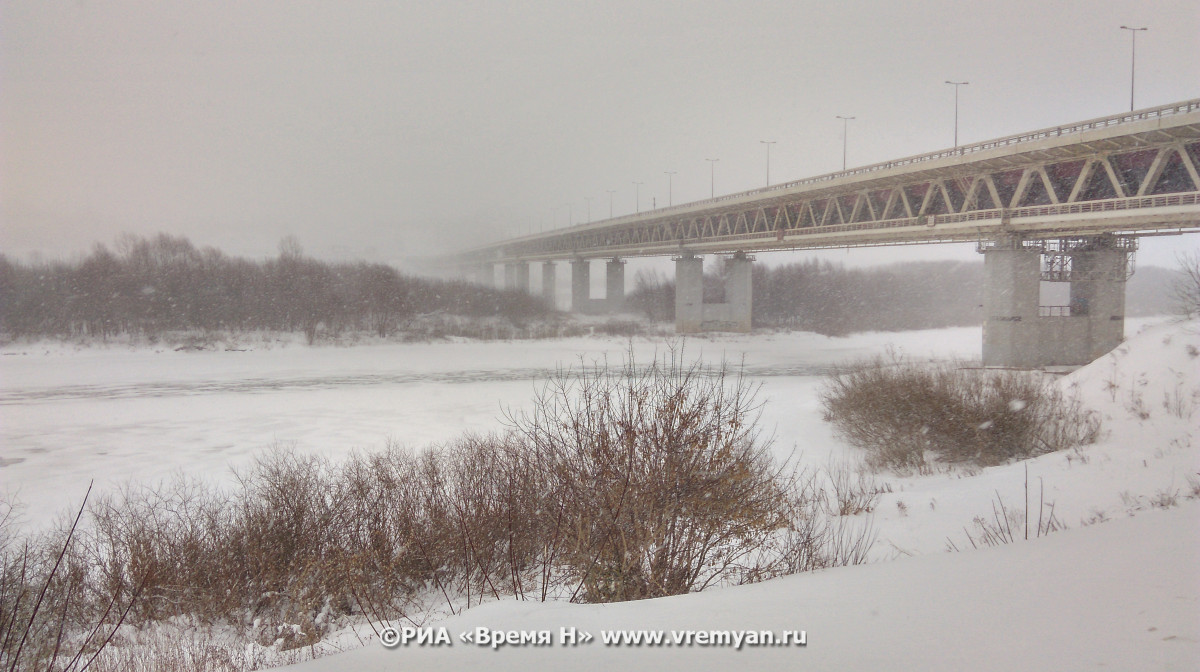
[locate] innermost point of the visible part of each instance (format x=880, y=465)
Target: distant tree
x=1186, y=288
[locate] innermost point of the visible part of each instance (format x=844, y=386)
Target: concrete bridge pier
x=581, y=288
x=581, y=282
x=693, y=315
x=1012, y=288
x=549, y=281
x=614, y=285
x=516, y=275
x=1098, y=274
x=1019, y=332
x=689, y=294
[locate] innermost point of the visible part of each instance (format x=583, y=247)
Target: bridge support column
x=689, y=294
x=549, y=282
x=614, y=284
x=693, y=315
x=1012, y=288
x=1018, y=332
x=1098, y=297
x=516, y=275
x=581, y=280
x=485, y=274
x=738, y=292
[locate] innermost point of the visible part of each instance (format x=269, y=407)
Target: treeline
x=827, y=298
x=146, y=287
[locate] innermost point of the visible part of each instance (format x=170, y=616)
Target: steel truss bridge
x=1132, y=174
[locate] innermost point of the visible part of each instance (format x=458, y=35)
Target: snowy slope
x=1119, y=596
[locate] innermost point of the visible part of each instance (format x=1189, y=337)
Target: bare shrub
x=816, y=536
x=667, y=483
x=908, y=416
x=52, y=615
x=854, y=491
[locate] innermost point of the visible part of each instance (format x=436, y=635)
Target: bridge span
x=1062, y=204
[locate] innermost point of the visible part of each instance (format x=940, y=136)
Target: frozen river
x=116, y=415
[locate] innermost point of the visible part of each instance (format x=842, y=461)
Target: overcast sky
x=384, y=129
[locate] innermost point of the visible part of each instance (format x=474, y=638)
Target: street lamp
x=570, y=215
x=588, y=200
x=1132, y=59
x=768, y=143
x=845, y=132
x=712, y=177
x=637, y=197
x=956, y=85
x=670, y=178
x=610, y=195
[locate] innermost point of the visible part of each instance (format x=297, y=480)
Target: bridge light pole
x=768, y=143
x=610, y=195
x=845, y=132
x=1132, y=59
x=637, y=198
x=712, y=177
x=956, y=85
x=670, y=178
x=588, y=200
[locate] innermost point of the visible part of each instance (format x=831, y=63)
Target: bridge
x=1062, y=204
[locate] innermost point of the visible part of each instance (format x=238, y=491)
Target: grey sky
x=383, y=129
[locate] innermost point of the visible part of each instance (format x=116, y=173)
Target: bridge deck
x=1133, y=173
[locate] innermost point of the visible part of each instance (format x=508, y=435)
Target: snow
x=1121, y=596
x=1124, y=594
x=114, y=414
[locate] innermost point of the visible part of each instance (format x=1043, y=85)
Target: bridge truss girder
x=964, y=207
x=1137, y=173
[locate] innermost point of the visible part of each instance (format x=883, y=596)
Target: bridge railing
x=1103, y=122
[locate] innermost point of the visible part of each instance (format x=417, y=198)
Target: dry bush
x=817, y=535
x=53, y=616
x=853, y=490
x=666, y=483
x=908, y=415
x=263, y=556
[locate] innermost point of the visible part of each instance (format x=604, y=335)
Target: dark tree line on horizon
x=148, y=286
x=151, y=286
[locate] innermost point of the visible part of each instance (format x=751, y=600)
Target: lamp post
x=670, y=179
x=570, y=215
x=637, y=198
x=956, y=85
x=712, y=177
x=768, y=143
x=845, y=132
x=610, y=195
x=588, y=200
x=1132, y=58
